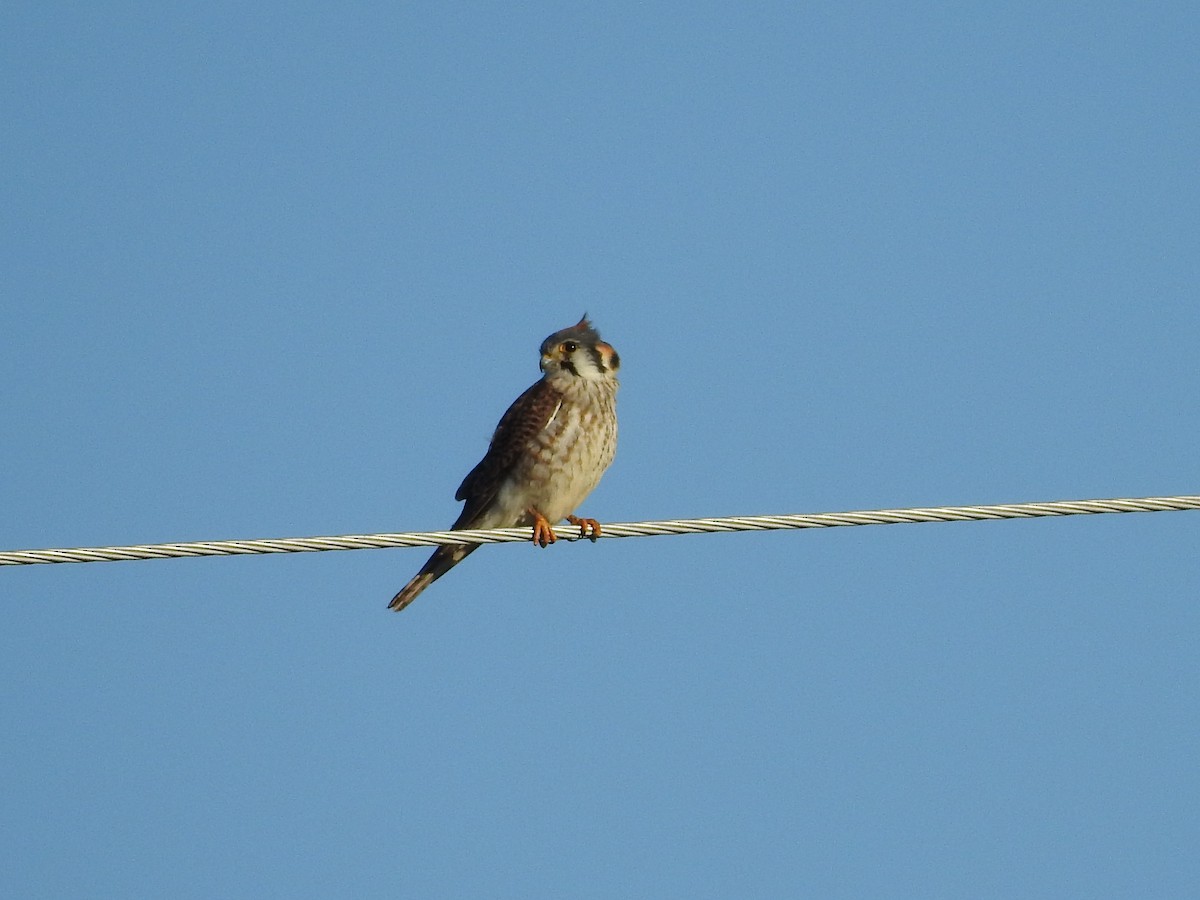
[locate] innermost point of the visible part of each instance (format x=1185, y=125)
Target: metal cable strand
x=614, y=530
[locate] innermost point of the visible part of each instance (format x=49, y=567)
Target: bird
x=547, y=454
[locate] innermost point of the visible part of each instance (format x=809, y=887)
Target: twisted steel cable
x=719, y=524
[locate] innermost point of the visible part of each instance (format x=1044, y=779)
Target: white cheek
x=586, y=367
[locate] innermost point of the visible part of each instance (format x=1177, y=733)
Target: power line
x=615, y=530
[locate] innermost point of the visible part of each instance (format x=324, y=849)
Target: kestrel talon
x=547, y=454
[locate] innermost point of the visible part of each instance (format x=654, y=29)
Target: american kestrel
x=547, y=454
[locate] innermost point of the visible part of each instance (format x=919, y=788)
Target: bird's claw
x=588, y=528
x=543, y=534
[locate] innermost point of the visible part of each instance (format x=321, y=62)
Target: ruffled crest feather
x=582, y=332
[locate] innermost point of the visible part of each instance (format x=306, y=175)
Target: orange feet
x=588, y=528
x=543, y=534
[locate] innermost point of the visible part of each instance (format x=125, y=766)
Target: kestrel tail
x=547, y=454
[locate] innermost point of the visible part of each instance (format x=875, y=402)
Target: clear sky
x=276, y=269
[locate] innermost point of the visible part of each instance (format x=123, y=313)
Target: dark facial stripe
x=597, y=359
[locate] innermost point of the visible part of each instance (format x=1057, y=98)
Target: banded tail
x=443, y=560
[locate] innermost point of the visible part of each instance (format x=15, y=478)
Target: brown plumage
x=547, y=454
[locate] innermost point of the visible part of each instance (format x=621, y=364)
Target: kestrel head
x=578, y=352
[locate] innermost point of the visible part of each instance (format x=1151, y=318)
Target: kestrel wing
x=528, y=415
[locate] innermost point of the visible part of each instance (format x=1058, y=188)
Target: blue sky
x=278, y=270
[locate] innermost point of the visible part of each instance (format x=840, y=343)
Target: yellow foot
x=543, y=534
x=588, y=528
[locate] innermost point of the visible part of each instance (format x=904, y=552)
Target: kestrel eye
x=569, y=347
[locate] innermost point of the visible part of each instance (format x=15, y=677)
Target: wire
x=615, y=530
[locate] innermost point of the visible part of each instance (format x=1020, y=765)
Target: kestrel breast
x=568, y=456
